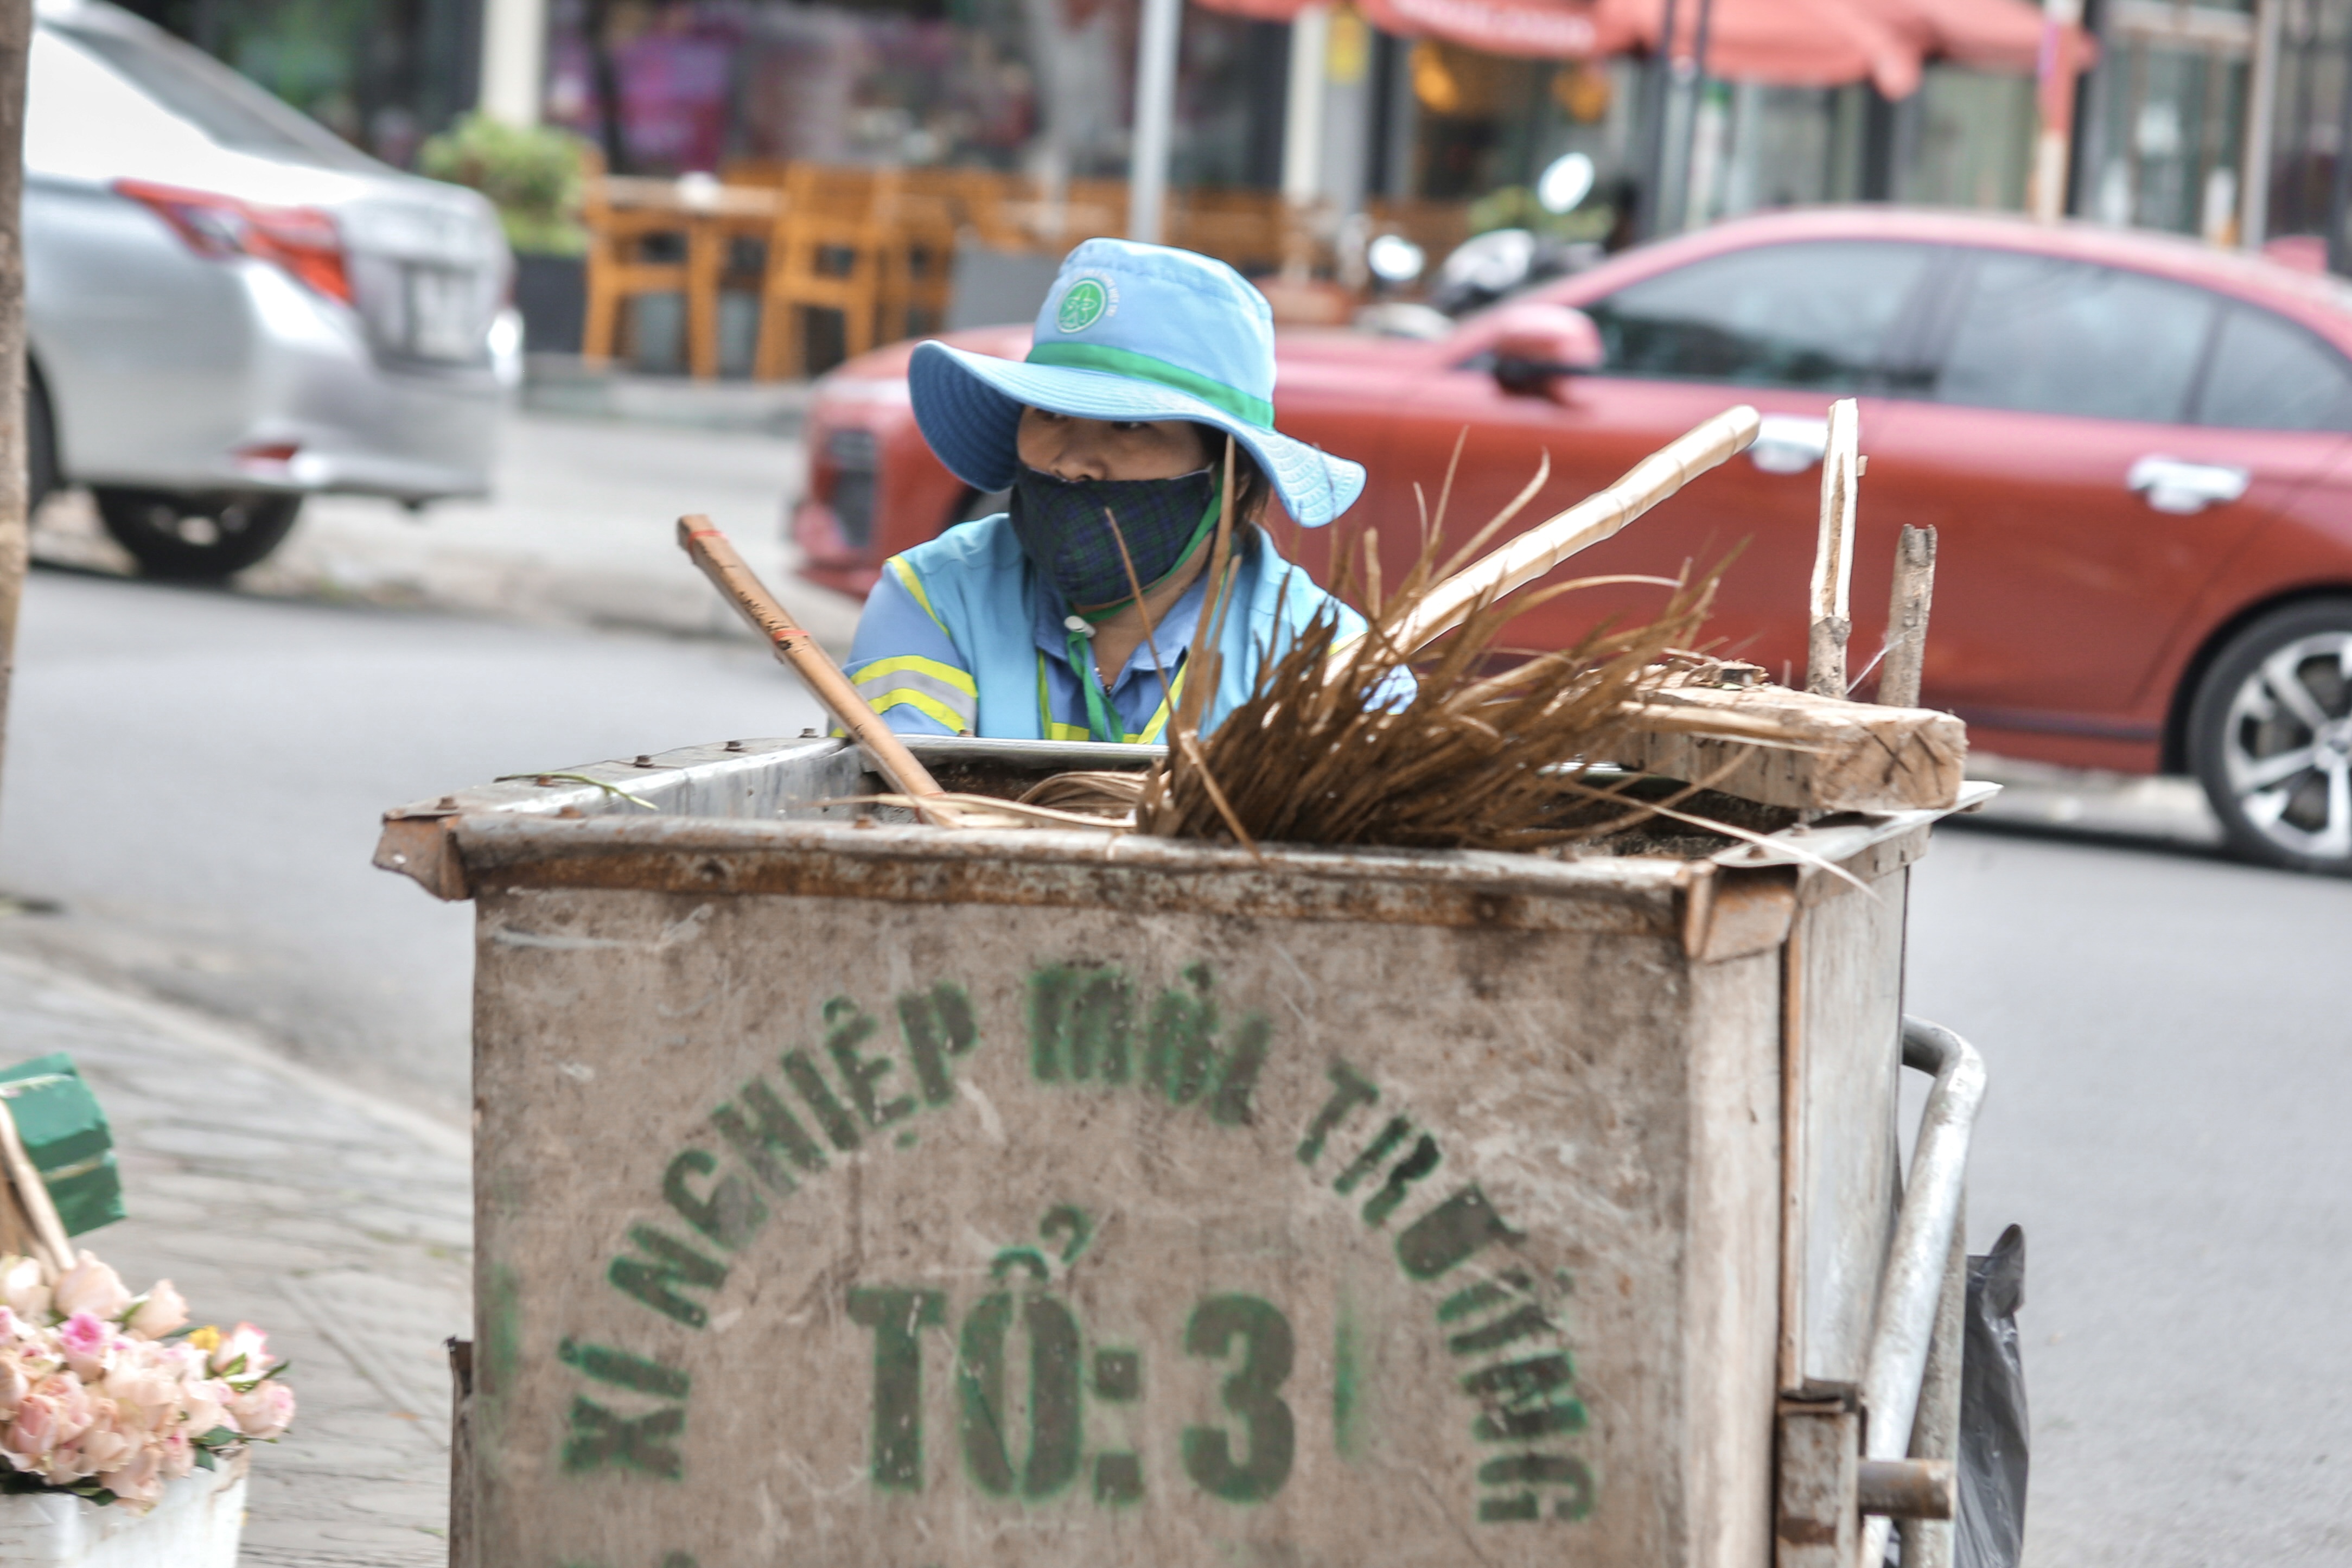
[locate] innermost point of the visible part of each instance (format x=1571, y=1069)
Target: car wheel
x=196, y=539
x=2270, y=737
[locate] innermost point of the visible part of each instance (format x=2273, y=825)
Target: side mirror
x=1536, y=344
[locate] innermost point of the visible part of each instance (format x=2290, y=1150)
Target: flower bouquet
x=108, y=1396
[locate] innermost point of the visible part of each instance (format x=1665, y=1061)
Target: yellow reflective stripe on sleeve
x=914, y=585
x=947, y=674
x=922, y=701
x=941, y=690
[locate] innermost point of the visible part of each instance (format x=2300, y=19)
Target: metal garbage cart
x=854, y=1192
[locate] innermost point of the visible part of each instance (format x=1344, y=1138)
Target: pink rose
x=179, y=1455
x=90, y=1285
x=204, y=1405
x=242, y=1353
x=148, y=1393
x=138, y=1481
x=163, y=1311
x=263, y=1411
x=104, y=1445
x=86, y=1338
x=25, y=1289
x=49, y=1420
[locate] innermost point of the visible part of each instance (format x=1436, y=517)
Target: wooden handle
x=741, y=588
x=33, y=1193
x=1588, y=522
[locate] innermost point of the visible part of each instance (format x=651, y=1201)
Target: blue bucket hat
x=1130, y=332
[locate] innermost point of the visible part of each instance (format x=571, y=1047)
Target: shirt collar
x=1171, y=632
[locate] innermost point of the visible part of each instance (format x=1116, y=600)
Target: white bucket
x=195, y=1525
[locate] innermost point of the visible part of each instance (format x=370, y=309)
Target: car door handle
x=2171, y=485
x=1788, y=443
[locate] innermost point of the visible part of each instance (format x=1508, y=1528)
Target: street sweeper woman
x=1070, y=616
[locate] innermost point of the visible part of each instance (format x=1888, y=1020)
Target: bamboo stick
x=1600, y=516
x=1833, y=556
x=1203, y=666
x=740, y=586
x=1907, y=617
x=48, y=1230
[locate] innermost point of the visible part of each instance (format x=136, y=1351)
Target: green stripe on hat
x=1255, y=411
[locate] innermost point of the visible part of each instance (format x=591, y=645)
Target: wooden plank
x=1845, y=1014
x=1837, y=755
x=1732, y=1291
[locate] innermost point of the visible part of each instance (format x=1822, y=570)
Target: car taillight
x=303, y=241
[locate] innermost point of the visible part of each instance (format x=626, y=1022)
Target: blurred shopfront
x=385, y=74
x=2225, y=119
x=1041, y=85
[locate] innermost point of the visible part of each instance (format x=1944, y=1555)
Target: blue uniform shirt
x=906, y=665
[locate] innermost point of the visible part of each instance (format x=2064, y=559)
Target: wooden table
x=623, y=208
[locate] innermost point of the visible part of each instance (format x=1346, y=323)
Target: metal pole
x=1911, y=1292
x=1651, y=214
x=1305, y=103
x=1155, y=115
x=2261, y=114
x=15, y=38
x=1698, y=101
x=514, y=54
x=2339, y=192
x=2053, y=145
x=1935, y=1430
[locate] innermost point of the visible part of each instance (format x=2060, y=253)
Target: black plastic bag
x=1990, y=1532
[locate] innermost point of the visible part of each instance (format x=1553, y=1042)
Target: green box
x=66, y=1134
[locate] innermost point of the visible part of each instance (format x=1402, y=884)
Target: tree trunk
x=15, y=36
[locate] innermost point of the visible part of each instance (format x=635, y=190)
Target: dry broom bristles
x=1475, y=759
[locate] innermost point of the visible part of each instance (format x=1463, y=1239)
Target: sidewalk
x=581, y=531
x=340, y=1224
x=2039, y=798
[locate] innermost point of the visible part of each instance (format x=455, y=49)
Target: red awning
x=1782, y=43
x=1545, y=29
x=1990, y=35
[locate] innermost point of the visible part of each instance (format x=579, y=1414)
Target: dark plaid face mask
x=1062, y=526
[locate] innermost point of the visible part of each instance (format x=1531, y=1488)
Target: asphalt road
x=197, y=776
x=2168, y=1044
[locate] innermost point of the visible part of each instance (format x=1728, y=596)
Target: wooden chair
x=828, y=250
x=918, y=263
x=619, y=269
x=768, y=173
x=1243, y=229
x=740, y=213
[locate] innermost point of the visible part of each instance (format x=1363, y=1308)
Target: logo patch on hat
x=1086, y=300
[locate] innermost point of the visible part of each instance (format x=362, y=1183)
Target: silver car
x=229, y=307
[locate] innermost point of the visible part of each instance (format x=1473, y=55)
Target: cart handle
x=1921, y=1252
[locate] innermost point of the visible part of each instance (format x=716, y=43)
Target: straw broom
x=1329, y=750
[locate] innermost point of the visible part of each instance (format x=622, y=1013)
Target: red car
x=2134, y=449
